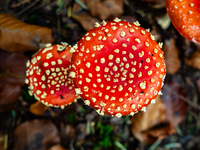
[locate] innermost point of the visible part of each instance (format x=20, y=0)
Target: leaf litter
x=171, y=123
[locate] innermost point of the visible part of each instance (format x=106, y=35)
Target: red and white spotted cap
x=118, y=68
x=184, y=15
x=48, y=76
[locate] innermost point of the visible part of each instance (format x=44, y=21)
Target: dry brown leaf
x=105, y=9
x=38, y=108
x=143, y=122
x=161, y=118
x=77, y=7
x=12, y=67
x=158, y=134
x=17, y=36
x=194, y=60
x=85, y=20
x=12, y=77
x=57, y=147
x=171, y=54
x=174, y=98
x=9, y=96
x=36, y=134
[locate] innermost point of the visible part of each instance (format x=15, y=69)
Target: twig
x=40, y=6
x=12, y=74
x=20, y=3
x=28, y=7
x=2, y=75
x=15, y=75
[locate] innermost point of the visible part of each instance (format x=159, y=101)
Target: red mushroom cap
x=117, y=68
x=48, y=76
x=185, y=15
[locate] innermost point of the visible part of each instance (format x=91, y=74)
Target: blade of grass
x=5, y=146
x=172, y=145
x=118, y=144
x=81, y=4
x=154, y=145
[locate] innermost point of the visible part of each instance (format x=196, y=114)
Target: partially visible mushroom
x=48, y=76
x=118, y=68
x=185, y=15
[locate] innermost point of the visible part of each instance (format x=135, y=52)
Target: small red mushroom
x=185, y=15
x=48, y=76
x=117, y=68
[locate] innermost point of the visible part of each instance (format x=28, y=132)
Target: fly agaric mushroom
x=117, y=68
x=48, y=76
x=185, y=15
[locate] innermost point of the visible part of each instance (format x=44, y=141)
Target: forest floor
x=172, y=123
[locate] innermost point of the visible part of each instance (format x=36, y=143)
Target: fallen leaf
x=105, y=9
x=17, y=36
x=57, y=147
x=38, y=108
x=174, y=97
x=194, y=60
x=12, y=77
x=85, y=20
x=171, y=54
x=36, y=135
x=12, y=67
x=79, y=6
x=9, y=96
x=158, y=133
x=143, y=122
x=161, y=119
